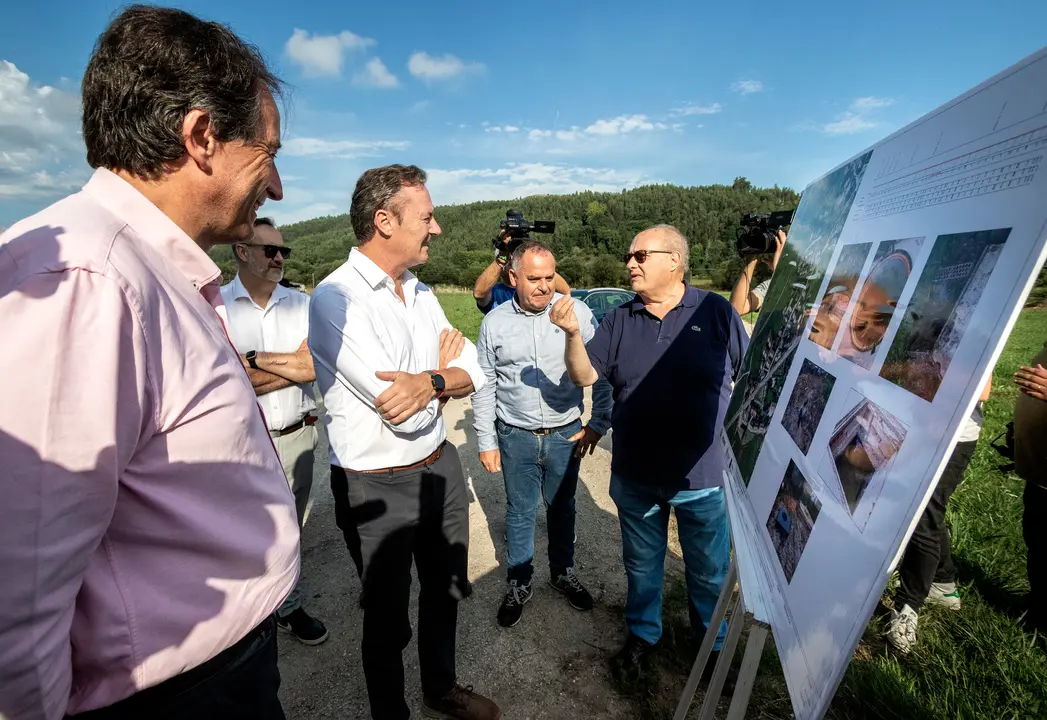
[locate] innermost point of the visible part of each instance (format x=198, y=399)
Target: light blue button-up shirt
x=522, y=355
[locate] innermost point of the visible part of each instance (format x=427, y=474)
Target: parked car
x=603, y=300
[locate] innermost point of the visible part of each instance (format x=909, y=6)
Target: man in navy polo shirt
x=670, y=356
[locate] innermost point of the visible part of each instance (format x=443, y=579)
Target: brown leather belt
x=304, y=422
x=421, y=463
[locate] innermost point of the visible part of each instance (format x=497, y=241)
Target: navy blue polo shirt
x=500, y=293
x=671, y=380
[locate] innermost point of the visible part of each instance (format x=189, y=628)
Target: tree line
x=593, y=231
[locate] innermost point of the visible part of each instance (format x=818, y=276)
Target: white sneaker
x=901, y=630
x=944, y=594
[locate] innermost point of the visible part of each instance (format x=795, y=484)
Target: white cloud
x=322, y=55
x=429, y=68
x=313, y=147
x=747, y=87
x=420, y=107
x=620, y=125
x=569, y=135
x=511, y=129
x=287, y=215
x=848, y=124
x=41, y=150
x=375, y=74
x=697, y=110
x=871, y=103
x=857, y=117
x=537, y=134
x=519, y=180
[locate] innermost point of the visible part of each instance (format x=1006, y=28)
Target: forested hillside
x=592, y=232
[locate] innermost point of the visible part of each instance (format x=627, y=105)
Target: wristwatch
x=439, y=385
x=250, y=356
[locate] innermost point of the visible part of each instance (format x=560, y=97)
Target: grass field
x=977, y=663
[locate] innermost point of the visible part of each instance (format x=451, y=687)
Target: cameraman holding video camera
x=744, y=297
x=494, y=287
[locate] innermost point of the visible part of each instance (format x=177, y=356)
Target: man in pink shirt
x=147, y=532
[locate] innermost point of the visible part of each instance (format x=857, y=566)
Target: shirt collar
x=689, y=299
x=153, y=226
x=374, y=275
x=239, y=291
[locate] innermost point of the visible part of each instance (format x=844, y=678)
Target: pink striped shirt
x=145, y=521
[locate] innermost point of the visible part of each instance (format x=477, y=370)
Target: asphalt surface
x=551, y=665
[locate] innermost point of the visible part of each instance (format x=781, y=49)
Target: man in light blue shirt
x=528, y=422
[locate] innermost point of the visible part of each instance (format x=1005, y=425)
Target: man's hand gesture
x=562, y=316
x=408, y=394
x=451, y=343
x=587, y=438
x=492, y=460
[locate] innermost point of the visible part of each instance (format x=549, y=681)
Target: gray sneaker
x=901, y=630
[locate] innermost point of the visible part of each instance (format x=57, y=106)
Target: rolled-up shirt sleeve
x=468, y=359
x=77, y=402
x=484, y=399
x=343, y=339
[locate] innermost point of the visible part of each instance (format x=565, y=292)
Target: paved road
x=551, y=665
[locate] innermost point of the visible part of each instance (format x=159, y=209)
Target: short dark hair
x=525, y=247
x=375, y=190
x=149, y=68
x=265, y=221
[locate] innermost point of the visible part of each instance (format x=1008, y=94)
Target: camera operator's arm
x=743, y=299
x=560, y=285
x=486, y=282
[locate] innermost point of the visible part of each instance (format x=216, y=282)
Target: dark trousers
x=1034, y=517
x=389, y=519
x=539, y=467
x=928, y=557
x=240, y=683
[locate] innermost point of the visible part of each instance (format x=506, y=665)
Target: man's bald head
x=671, y=239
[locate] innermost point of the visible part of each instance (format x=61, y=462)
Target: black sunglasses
x=271, y=250
x=641, y=255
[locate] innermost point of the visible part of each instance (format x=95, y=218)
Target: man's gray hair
x=677, y=243
x=525, y=247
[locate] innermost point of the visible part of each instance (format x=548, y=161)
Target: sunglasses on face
x=271, y=250
x=641, y=255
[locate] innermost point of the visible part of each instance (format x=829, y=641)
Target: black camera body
x=758, y=232
x=517, y=229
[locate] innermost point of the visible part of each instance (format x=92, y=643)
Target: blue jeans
x=701, y=517
x=538, y=467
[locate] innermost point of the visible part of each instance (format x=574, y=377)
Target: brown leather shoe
x=461, y=703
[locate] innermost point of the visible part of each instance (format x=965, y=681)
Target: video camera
x=758, y=233
x=519, y=229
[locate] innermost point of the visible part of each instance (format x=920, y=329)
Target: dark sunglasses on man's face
x=641, y=255
x=271, y=250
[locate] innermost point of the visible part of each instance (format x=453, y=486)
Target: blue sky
x=502, y=100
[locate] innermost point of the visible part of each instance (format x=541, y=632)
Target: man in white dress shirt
x=268, y=324
x=386, y=358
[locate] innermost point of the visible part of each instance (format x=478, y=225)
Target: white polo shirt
x=280, y=327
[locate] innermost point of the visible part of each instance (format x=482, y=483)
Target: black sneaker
x=304, y=627
x=631, y=659
x=572, y=587
x=512, y=606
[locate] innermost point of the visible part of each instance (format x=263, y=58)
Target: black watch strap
x=251, y=358
x=439, y=384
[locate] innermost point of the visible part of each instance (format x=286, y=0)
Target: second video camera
x=758, y=233
x=515, y=229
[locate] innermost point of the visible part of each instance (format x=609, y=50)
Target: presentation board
x=904, y=271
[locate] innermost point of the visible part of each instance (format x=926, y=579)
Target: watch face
x=438, y=382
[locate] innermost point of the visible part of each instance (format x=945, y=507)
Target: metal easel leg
x=747, y=674
x=739, y=618
x=707, y=642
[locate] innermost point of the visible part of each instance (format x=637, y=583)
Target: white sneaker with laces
x=944, y=594
x=901, y=630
